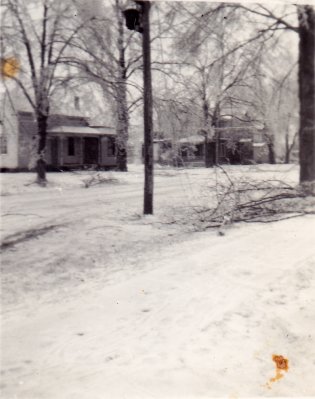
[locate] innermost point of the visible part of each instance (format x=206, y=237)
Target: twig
x=21, y=214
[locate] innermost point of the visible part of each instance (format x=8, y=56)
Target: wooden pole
x=307, y=96
x=148, y=125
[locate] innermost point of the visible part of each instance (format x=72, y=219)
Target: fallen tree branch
x=98, y=179
x=237, y=200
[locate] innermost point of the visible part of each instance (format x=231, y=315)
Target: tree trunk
x=287, y=149
x=205, y=111
x=121, y=98
x=208, y=163
x=215, y=124
x=271, y=152
x=206, y=129
x=42, y=120
x=269, y=138
x=306, y=16
x=122, y=126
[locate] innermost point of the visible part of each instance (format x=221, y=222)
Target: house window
x=3, y=144
x=71, y=147
x=111, y=146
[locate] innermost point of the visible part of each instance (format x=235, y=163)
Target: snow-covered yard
x=101, y=302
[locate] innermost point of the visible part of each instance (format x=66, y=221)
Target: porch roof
x=259, y=144
x=194, y=139
x=82, y=130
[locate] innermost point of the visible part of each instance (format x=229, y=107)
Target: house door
x=91, y=150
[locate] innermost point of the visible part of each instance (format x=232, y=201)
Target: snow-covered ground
x=101, y=302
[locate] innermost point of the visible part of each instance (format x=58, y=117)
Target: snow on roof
x=258, y=144
x=230, y=128
x=104, y=129
x=82, y=130
x=245, y=140
x=194, y=139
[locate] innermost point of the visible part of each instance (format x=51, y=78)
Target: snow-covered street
x=101, y=302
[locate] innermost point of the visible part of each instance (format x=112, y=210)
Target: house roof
x=231, y=128
x=259, y=144
x=104, y=129
x=82, y=130
x=194, y=139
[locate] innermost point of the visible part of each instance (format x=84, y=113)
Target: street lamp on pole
x=139, y=20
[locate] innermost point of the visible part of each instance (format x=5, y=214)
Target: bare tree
x=38, y=33
x=286, y=95
x=210, y=66
x=283, y=18
x=263, y=23
x=107, y=54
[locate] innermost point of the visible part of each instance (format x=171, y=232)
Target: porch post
x=81, y=151
x=99, y=150
x=61, y=140
x=217, y=148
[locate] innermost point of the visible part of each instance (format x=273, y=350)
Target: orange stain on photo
x=282, y=364
x=9, y=67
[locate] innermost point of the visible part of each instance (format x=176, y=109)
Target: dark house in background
x=233, y=142
x=71, y=143
x=240, y=142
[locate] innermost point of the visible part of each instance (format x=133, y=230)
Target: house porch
x=72, y=151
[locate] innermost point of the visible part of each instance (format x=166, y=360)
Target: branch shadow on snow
x=23, y=236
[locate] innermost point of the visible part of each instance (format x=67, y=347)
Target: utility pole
x=148, y=125
x=140, y=21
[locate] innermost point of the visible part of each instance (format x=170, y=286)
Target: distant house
x=71, y=143
x=232, y=142
x=240, y=142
